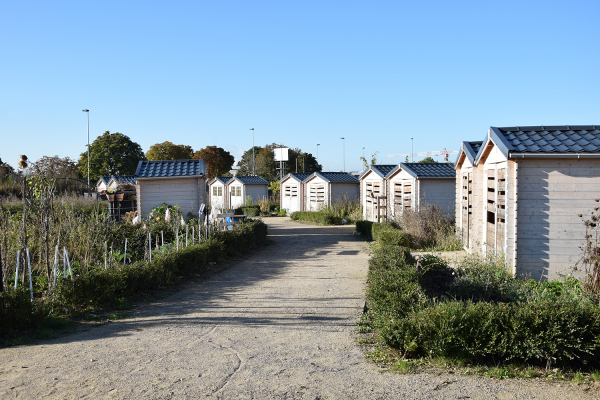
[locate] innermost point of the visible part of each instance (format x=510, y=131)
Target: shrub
x=479, y=312
x=319, y=217
x=385, y=234
x=429, y=228
x=251, y=211
x=17, y=312
x=364, y=227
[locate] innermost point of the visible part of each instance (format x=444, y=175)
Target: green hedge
x=251, y=211
x=364, y=227
x=18, y=313
x=479, y=314
x=315, y=216
x=102, y=287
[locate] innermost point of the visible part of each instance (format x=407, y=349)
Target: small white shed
x=373, y=192
x=175, y=182
x=414, y=184
x=217, y=192
x=530, y=184
x=464, y=188
x=102, y=183
x=115, y=181
x=292, y=192
x=240, y=187
x=325, y=188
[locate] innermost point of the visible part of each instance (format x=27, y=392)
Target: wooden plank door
x=490, y=237
x=500, y=209
x=397, y=199
x=465, y=203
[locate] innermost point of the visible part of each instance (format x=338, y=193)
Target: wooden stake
x=17, y=271
x=125, y=255
x=29, y=270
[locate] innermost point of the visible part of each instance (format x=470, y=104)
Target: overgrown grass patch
x=479, y=316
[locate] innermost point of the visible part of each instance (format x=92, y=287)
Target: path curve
x=280, y=325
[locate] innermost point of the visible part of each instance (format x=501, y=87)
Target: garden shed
x=217, y=190
x=116, y=181
x=239, y=188
x=325, y=188
x=533, y=182
x=102, y=183
x=373, y=192
x=464, y=187
x=412, y=185
x=292, y=192
x=175, y=182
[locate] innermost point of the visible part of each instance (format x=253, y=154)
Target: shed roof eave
x=554, y=155
x=168, y=177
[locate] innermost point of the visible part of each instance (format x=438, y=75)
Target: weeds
x=429, y=229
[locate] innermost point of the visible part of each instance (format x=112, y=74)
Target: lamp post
x=88, y=143
x=412, y=151
x=253, y=159
x=344, y=152
x=318, y=153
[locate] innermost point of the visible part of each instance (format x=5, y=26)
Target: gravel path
x=280, y=325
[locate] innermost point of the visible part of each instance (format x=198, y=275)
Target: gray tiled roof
x=124, y=179
x=552, y=139
x=476, y=146
x=223, y=179
x=170, y=168
x=335, y=177
x=104, y=179
x=251, y=180
x=471, y=149
x=299, y=176
x=383, y=170
x=429, y=170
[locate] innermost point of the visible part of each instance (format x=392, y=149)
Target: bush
x=101, y=287
x=251, y=211
x=385, y=234
x=364, y=227
x=319, y=217
x=429, y=228
x=17, y=312
x=479, y=312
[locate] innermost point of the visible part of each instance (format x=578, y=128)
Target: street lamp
x=412, y=151
x=344, y=152
x=253, y=159
x=318, y=153
x=88, y=145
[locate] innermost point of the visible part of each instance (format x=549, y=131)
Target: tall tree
x=246, y=162
x=111, y=154
x=169, y=151
x=427, y=159
x=265, y=164
x=218, y=161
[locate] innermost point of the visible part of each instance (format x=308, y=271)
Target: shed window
x=217, y=191
x=294, y=191
x=287, y=191
x=236, y=190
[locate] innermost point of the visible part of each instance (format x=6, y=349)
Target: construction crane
x=444, y=153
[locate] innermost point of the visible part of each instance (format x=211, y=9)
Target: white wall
x=313, y=183
x=184, y=193
x=441, y=192
x=370, y=178
x=291, y=203
x=217, y=201
x=236, y=201
x=551, y=194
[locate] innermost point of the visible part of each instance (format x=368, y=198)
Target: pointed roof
x=334, y=177
x=471, y=149
x=298, y=176
x=427, y=170
x=251, y=180
x=382, y=170
x=555, y=139
x=223, y=179
x=170, y=169
x=103, y=179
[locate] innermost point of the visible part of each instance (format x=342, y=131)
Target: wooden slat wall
x=552, y=192
x=182, y=192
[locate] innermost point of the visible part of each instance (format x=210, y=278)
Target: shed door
x=317, y=196
x=496, y=209
x=398, y=198
x=467, y=206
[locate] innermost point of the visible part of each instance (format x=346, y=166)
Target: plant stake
x=125, y=256
x=17, y=272
x=29, y=270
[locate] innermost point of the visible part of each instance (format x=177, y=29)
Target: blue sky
x=301, y=73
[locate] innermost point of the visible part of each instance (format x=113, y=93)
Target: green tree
x=169, y=151
x=55, y=167
x=427, y=159
x=218, y=161
x=265, y=164
x=373, y=160
x=306, y=162
x=245, y=163
x=111, y=154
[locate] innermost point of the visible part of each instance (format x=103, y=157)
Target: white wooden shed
x=292, y=192
x=102, y=183
x=115, y=181
x=240, y=187
x=374, y=192
x=175, y=182
x=412, y=185
x=325, y=188
x=218, y=192
x=464, y=188
x=533, y=183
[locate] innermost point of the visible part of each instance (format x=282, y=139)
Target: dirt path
x=277, y=326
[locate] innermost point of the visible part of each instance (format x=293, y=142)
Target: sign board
x=282, y=154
